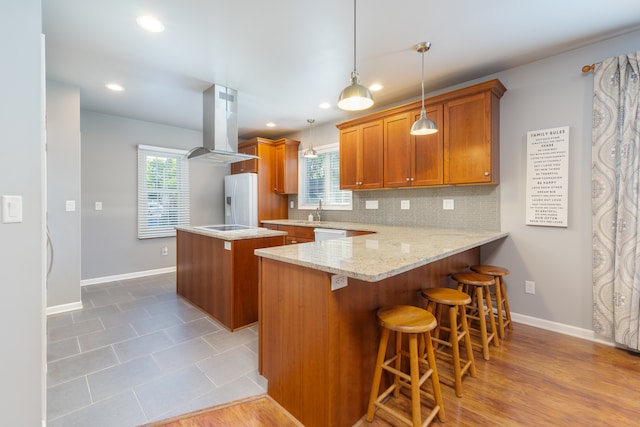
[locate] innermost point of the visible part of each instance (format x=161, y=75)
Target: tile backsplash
x=475, y=207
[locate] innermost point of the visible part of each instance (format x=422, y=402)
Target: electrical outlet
x=405, y=204
x=338, y=281
x=371, y=204
x=165, y=251
x=529, y=287
x=447, y=204
x=291, y=204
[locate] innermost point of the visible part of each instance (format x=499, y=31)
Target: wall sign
x=547, y=177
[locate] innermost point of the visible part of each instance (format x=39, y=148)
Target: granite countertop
x=391, y=250
x=253, y=233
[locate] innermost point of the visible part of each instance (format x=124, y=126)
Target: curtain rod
x=587, y=68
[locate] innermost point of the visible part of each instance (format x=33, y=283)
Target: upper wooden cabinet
x=472, y=140
x=361, y=153
x=250, y=165
x=271, y=205
x=286, y=167
x=412, y=160
x=465, y=150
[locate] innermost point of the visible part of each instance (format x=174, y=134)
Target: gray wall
x=63, y=184
x=545, y=94
x=22, y=255
x=110, y=246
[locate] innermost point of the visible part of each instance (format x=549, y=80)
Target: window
x=163, y=191
x=319, y=179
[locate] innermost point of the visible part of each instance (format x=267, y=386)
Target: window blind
x=163, y=191
x=319, y=179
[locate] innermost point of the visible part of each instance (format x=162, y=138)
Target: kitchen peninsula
x=318, y=338
x=218, y=272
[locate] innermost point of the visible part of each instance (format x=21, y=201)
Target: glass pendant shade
x=355, y=97
x=424, y=125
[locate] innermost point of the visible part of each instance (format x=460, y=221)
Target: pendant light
x=355, y=97
x=310, y=153
x=423, y=126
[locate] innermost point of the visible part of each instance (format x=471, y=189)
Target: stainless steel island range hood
x=220, y=128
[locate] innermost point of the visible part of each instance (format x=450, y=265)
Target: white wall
x=63, y=184
x=110, y=246
x=22, y=244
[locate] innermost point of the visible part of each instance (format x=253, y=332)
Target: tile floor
x=137, y=352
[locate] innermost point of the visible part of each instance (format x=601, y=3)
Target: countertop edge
x=235, y=235
x=404, y=267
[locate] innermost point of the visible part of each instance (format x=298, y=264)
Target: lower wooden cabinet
x=221, y=276
x=295, y=234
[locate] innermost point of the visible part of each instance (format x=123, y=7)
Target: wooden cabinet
x=465, y=150
x=361, y=153
x=286, y=166
x=221, y=280
x=471, y=143
x=271, y=205
x=295, y=234
x=245, y=166
x=412, y=160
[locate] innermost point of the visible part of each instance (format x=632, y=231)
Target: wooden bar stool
x=476, y=284
x=413, y=321
x=502, y=302
x=455, y=302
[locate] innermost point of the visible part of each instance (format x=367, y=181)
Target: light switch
x=70, y=205
x=405, y=204
x=11, y=209
x=98, y=206
x=371, y=204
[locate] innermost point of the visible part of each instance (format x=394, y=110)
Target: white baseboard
x=62, y=308
x=561, y=328
x=134, y=275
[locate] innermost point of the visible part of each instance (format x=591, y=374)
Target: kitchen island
x=218, y=271
x=318, y=338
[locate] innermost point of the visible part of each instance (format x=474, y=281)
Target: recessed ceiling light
x=271, y=125
x=114, y=87
x=375, y=87
x=324, y=105
x=150, y=23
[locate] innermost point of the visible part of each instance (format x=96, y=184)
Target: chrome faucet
x=319, y=211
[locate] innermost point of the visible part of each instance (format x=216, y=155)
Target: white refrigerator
x=241, y=199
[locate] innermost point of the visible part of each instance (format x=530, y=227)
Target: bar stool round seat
x=502, y=301
x=478, y=287
x=415, y=322
x=455, y=303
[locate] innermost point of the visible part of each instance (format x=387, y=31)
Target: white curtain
x=615, y=199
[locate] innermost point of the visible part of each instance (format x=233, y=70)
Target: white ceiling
x=285, y=57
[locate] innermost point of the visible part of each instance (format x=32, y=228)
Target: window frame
x=166, y=227
x=302, y=181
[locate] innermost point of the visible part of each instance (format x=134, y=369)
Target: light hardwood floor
x=542, y=378
x=535, y=378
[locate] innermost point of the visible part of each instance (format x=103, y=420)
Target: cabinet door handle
x=486, y=173
x=408, y=179
x=411, y=179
